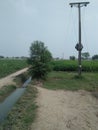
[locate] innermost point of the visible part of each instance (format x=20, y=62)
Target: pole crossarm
x=77, y=4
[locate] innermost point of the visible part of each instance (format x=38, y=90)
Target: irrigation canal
x=10, y=101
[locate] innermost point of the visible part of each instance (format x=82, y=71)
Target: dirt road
x=66, y=110
x=62, y=110
x=9, y=79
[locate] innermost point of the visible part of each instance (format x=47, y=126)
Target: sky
x=53, y=22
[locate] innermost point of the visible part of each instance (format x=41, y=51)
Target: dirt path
x=66, y=110
x=9, y=79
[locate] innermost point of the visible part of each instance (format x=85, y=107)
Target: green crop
x=69, y=65
x=8, y=66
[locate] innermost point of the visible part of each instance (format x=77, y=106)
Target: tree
x=40, y=58
x=95, y=57
x=85, y=55
x=1, y=57
x=72, y=57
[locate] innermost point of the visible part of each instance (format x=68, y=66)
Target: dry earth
x=62, y=110
x=66, y=110
x=9, y=79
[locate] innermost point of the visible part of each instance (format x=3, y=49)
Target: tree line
x=85, y=56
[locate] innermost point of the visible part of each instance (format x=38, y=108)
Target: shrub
x=40, y=58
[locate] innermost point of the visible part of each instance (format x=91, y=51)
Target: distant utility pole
x=79, y=45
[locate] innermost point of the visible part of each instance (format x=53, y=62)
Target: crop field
x=69, y=65
x=8, y=66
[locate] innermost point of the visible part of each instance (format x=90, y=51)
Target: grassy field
x=70, y=65
x=65, y=77
x=70, y=81
x=8, y=66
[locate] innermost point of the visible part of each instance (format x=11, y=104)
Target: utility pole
x=79, y=45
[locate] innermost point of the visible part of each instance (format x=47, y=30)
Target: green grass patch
x=5, y=91
x=8, y=66
x=23, y=113
x=20, y=79
x=70, y=81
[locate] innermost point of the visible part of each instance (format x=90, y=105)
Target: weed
x=70, y=81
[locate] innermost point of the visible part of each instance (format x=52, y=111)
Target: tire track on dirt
x=66, y=110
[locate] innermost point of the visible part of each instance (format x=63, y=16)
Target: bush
x=39, y=59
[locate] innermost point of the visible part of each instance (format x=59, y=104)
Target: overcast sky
x=50, y=21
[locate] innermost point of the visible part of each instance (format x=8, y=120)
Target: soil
x=66, y=110
x=62, y=110
x=9, y=79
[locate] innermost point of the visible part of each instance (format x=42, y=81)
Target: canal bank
x=24, y=110
x=9, y=102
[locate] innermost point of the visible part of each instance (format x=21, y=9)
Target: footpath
x=9, y=79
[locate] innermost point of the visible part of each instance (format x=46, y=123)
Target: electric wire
x=71, y=31
x=91, y=63
x=74, y=27
x=84, y=31
x=68, y=28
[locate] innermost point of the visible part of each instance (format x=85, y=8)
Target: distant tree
x=17, y=57
x=85, y=55
x=95, y=57
x=23, y=57
x=40, y=58
x=1, y=57
x=57, y=58
x=72, y=57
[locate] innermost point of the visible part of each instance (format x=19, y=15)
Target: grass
x=20, y=79
x=8, y=66
x=70, y=81
x=23, y=113
x=5, y=91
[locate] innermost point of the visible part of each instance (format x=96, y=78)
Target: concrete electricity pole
x=79, y=46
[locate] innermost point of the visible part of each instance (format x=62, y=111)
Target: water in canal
x=9, y=102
